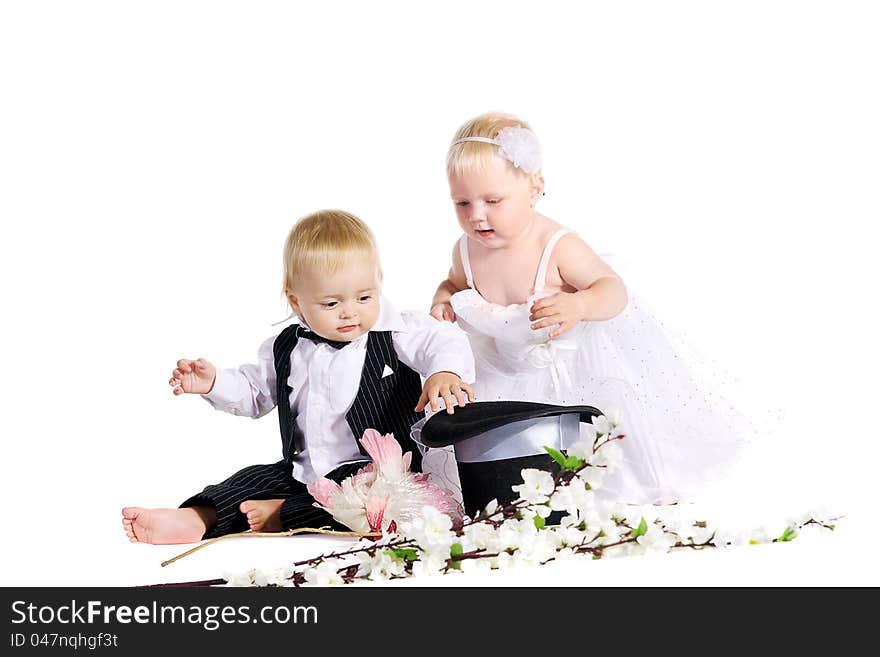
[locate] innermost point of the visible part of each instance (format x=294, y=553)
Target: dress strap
x=465, y=260
x=540, y=277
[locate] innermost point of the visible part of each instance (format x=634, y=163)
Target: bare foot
x=166, y=526
x=263, y=515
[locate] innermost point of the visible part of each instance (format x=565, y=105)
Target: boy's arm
x=431, y=347
x=248, y=390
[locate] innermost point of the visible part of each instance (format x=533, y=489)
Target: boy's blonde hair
x=324, y=241
x=470, y=156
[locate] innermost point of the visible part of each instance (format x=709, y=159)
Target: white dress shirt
x=324, y=382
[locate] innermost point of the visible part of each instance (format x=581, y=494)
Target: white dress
x=679, y=433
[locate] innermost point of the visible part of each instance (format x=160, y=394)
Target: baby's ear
x=294, y=304
x=536, y=186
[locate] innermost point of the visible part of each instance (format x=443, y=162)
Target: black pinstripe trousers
x=267, y=482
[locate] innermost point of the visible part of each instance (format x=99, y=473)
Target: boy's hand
x=563, y=308
x=195, y=376
x=443, y=312
x=448, y=386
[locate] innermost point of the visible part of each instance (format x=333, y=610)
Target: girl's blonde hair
x=470, y=156
x=323, y=241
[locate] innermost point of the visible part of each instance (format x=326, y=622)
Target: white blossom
x=503, y=560
x=325, y=573
x=480, y=535
x=602, y=425
x=245, y=578
x=536, y=486
x=727, y=537
x=432, y=528
x=430, y=563
x=613, y=417
x=656, y=539
x=611, y=530
x=609, y=454
x=759, y=536
x=569, y=536
x=575, y=499
x=593, y=476
x=380, y=566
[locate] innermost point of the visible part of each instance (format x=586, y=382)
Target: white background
x=153, y=157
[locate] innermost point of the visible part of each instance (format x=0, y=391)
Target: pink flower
x=323, y=490
x=387, y=454
x=375, y=510
x=384, y=493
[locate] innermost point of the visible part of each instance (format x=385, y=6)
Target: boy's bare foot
x=263, y=515
x=166, y=526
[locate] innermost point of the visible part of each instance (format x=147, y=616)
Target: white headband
x=519, y=145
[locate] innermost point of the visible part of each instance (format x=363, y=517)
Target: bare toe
x=163, y=526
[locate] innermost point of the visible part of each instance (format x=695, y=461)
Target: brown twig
x=289, y=532
x=203, y=582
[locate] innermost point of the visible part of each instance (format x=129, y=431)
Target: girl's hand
x=443, y=312
x=447, y=385
x=563, y=308
x=195, y=376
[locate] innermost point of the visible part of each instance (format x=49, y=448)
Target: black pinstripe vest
x=382, y=403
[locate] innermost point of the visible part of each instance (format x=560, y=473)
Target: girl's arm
x=440, y=307
x=600, y=292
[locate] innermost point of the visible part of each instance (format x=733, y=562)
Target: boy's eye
x=462, y=204
x=364, y=298
x=329, y=304
x=493, y=201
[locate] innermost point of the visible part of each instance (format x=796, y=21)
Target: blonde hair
x=324, y=241
x=470, y=156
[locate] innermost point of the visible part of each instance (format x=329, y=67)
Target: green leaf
x=789, y=534
x=539, y=522
x=407, y=554
x=455, y=550
x=641, y=530
x=558, y=456
x=567, y=463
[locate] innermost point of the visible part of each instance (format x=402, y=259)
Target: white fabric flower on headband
x=517, y=144
x=520, y=146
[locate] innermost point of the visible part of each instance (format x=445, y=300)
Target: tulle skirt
x=681, y=433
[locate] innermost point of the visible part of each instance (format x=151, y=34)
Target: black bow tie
x=314, y=337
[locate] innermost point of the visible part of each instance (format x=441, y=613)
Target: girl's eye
x=462, y=204
x=329, y=304
x=493, y=201
x=364, y=298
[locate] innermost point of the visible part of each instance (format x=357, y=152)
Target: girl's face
x=495, y=206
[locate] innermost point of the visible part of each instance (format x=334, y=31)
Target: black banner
x=144, y=621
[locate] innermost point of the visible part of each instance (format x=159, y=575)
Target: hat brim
x=443, y=429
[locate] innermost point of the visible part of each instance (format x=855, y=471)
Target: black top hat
x=443, y=429
x=487, y=480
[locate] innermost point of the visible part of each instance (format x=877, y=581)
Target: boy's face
x=341, y=305
x=496, y=205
